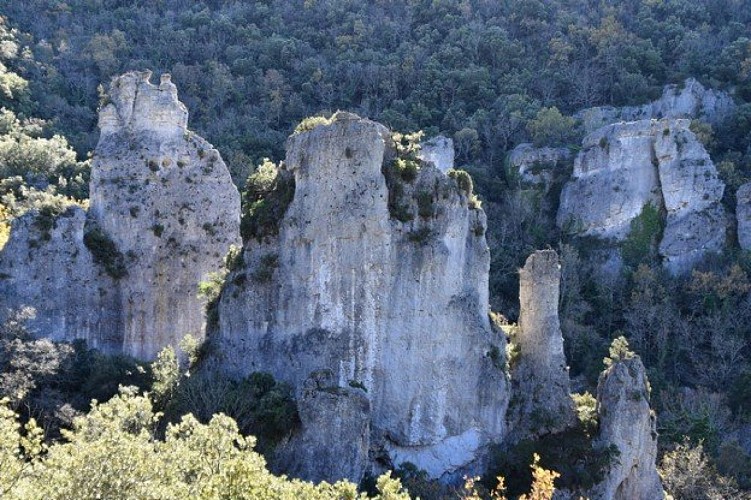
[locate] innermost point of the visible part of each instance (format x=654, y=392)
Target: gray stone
x=439, y=151
x=743, y=214
x=627, y=423
x=164, y=198
x=537, y=165
x=539, y=377
x=334, y=434
x=689, y=100
x=625, y=166
x=399, y=307
x=53, y=272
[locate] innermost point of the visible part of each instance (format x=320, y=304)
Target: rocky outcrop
x=166, y=200
x=743, y=214
x=627, y=423
x=689, y=100
x=163, y=214
x=541, y=401
x=334, y=435
x=386, y=287
x=46, y=265
x=537, y=165
x=440, y=151
x=625, y=166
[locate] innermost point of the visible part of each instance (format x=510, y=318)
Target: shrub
x=105, y=253
x=463, y=180
x=644, y=235
x=268, y=193
x=311, y=122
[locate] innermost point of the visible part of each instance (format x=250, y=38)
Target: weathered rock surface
x=743, y=214
x=165, y=198
x=162, y=206
x=627, y=422
x=539, y=377
x=399, y=307
x=690, y=100
x=440, y=151
x=51, y=270
x=537, y=165
x=334, y=435
x=625, y=166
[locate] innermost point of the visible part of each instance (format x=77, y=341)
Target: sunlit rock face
x=627, y=422
x=399, y=308
x=163, y=214
x=625, y=166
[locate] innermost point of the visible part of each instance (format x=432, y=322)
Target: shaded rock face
x=627, y=422
x=625, y=166
x=690, y=100
x=537, y=165
x=540, y=380
x=439, y=151
x=399, y=307
x=162, y=205
x=334, y=435
x=165, y=198
x=743, y=214
x=52, y=271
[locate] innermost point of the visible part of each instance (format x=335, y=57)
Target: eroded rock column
x=541, y=401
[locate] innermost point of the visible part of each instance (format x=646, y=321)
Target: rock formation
x=165, y=198
x=625, y=166
x=689, y=100
x=743, y=214
x=334, y=433
x=627, y=423
x=163, y=214
x=542, y=402
x=46, y=265
x=386, y=287
x=440, y=151
x=537, y=165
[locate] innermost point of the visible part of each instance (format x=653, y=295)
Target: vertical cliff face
x=625, y=166
x=542, y=402
x=46, y=265
x=743, y=215
x=397, y=307
x=627, y=422
x=165, y=198
x=163, y=214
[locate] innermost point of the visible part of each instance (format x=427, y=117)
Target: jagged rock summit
x=625, y=166
x=687, y=100
x=163, y=214
x=381, y=278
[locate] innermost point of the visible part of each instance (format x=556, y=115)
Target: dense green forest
x=490, y=74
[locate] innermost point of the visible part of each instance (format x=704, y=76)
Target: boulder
x=440, y=151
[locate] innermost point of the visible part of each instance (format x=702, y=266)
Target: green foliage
x=211, y=290
x=586, y=412
x=113, y=452
x=571, y=453
x=643, y=238
x=619, y=351
x=463, y=180
x=310, y=123
x=268, y=193
x=686, y=472
x=551, y=128
x=105, y=253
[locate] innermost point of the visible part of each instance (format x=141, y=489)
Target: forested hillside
x=490, y=75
